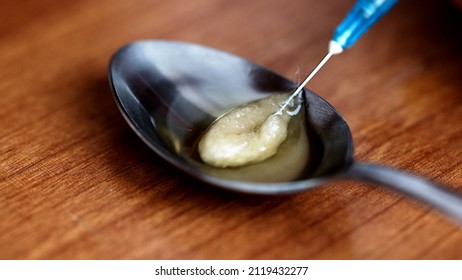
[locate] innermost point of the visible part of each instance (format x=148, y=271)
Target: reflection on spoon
x=170, y=92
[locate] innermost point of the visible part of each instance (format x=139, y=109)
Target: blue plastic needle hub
x=361, y=17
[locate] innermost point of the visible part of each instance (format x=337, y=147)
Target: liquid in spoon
x=295, y=155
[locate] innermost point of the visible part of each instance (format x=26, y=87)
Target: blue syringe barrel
x=361, y=17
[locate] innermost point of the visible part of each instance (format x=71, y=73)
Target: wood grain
x=76, y=182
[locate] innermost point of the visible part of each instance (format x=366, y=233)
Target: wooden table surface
x=77, y=183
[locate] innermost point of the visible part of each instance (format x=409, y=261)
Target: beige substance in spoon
x=248, y=134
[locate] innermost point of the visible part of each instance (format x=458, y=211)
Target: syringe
x=358, y=20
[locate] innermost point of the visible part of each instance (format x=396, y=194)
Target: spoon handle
x=415, y=186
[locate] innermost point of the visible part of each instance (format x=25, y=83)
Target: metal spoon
x=168, y=91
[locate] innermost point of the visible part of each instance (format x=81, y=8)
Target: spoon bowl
x=169, y=92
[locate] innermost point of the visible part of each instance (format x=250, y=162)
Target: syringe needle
x=334, y=48
x=360, y=18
